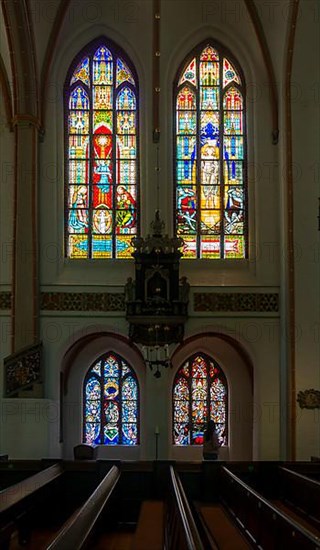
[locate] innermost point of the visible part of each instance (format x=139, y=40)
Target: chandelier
x=156, y=357
x=157, y=300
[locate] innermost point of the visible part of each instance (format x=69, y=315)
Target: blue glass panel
x=111, y=411
x=111, y=367
x=93, y=411
x=129, y=388
x=92, y=435
x=93, y=390
x=129, y=411
x=129, y=434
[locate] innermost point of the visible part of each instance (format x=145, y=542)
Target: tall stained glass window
x=111, y=403
x=210, y=156
x=101, y=168
x=200, y=393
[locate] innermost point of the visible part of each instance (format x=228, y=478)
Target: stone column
x=25, y=284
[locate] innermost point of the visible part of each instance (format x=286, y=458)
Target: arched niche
x=236, y=366
x=76, y=362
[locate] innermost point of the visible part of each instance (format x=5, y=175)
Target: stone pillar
x=25, y=284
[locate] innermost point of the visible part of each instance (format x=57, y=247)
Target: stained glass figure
x=101, y=141
x=200, y=393
x=111, y=403
x=210, y=156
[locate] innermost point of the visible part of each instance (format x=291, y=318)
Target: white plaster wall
x=25, y=427
x=251, y=409
x=306, y=147
x=127, y=27
x=183, y=26
x=195, y=24
x=73, y=400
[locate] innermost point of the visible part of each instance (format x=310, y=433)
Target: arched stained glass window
x=111, y=403
x=200, y=393
x=101, y=168
x=210, y=156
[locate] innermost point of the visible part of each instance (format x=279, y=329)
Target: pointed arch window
x=210, y=156
x=101, y=165
x=200, y=393
x=111, y=403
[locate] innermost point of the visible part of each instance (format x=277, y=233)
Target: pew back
x=267, y=526
x=301, y=492
x=76, y=533
x=181, y=530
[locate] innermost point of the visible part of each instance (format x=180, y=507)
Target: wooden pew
x=264, y=523
x=76, y=533
x=302, y=493
x=308, y=469
x=14, y=471
x=15, y=502
x=222, y=528
x=181, y=532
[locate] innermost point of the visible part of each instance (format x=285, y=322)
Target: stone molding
x=250, y=302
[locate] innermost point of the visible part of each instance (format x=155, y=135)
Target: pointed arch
x=111, y=402
x=211, y=210
x=101, y=153
x=199, y=394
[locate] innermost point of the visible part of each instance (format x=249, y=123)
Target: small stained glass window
x=111, y=403
x=101, y=168
x=210, y=156
x=200, y=393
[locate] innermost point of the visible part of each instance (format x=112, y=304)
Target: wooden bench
x=301, y=492
x=221, y=528
x=267, y=526
x=296, y=517
x=77, y=531
x=16, y=500
x=150, y=527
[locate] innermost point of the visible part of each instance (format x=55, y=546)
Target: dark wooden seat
x=302, y=493
x=222, y=529
x=296, y=517
x=78, y=531
x=15, y=502
x=267, y=525
x=150, y=528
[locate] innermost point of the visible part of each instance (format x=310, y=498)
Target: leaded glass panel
x=111, y=403
x=101, y=137
x=199, y=393
x=210, y=156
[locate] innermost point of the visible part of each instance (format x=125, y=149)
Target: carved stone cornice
x=82, y=301
x=254, y=302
